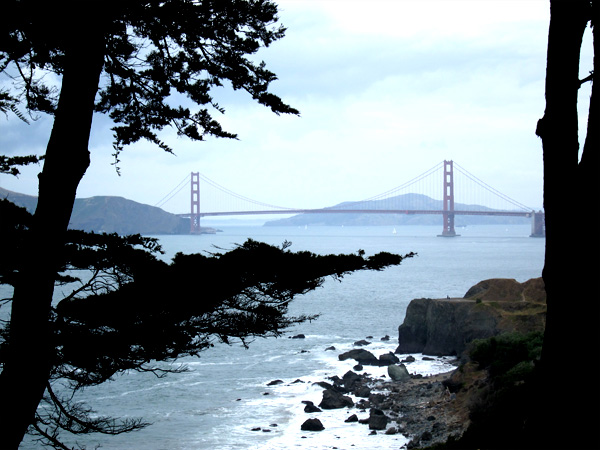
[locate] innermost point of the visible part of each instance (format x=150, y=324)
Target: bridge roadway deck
x=364, y=211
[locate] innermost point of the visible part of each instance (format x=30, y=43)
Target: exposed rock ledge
x=491, y=307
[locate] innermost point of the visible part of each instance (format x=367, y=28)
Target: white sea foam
x=284, y=407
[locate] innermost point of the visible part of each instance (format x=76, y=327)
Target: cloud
x=385, y=92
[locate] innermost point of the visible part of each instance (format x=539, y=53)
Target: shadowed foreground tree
x=571, y=264
x=146, y=65
x=557, y=407
x=10, y=164
x=126, y=309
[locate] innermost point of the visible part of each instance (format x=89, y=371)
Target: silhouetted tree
x=126, y=309
x=9, y=164
x=571, y=265
x=557, y=405
x=143, y=64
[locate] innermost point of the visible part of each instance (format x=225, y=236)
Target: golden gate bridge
x=447, y=189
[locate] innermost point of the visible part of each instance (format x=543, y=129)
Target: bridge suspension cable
x=239, y=196
x=404, y=185
x=183, y=184
x=486, y=186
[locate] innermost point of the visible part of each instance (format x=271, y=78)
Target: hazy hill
x=405, y=201
x=112, y=215
x=122, y=216
x=28, y=202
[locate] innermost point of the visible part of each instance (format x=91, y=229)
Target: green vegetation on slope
x=499, y=385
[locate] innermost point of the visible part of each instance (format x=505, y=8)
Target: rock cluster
x=413, y=405
x=366, y=358
x=420, y=408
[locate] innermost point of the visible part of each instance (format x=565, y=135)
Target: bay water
x=226, y=401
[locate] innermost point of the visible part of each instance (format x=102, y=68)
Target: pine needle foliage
x=125, y=308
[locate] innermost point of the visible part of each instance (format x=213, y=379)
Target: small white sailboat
x=394, y=230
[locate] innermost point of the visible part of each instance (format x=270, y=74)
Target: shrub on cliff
x=510, y=363
x=501, y=354
x=499, y=406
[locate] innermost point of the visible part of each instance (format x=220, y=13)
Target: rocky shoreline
x=428, y=410
x=421, y=408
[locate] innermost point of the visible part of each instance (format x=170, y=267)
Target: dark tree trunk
x=590, y=158
x=558, y=130
x=31, y=350
x=566, y=417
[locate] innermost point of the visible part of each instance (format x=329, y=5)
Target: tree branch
x=590, y=77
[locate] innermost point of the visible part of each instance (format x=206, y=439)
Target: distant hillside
x=28, y=202
x=122, y=216
x=405, y=201
x=112, y=215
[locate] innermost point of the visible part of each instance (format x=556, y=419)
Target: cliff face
x=491, y=307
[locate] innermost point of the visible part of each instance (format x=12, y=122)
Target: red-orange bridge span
x=447, y=211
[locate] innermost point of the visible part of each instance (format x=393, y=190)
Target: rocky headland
x=491, y=307
x=431, y=409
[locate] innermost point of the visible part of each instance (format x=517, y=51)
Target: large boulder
x=351, y=380
x=398, y=372
x=491, y=307
x=377, y=419
x=362, y=356
x=310, y=407
x=335, y=400
x=312, y=425
x=387, y=359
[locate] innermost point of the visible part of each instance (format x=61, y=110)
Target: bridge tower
x=195, y=204
x=538, y=225
x=448, y=214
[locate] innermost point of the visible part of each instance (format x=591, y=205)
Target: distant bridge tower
x=538, y=224
x=195, y=204
x=448, y=214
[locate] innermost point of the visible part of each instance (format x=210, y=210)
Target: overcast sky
x=386, y=90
